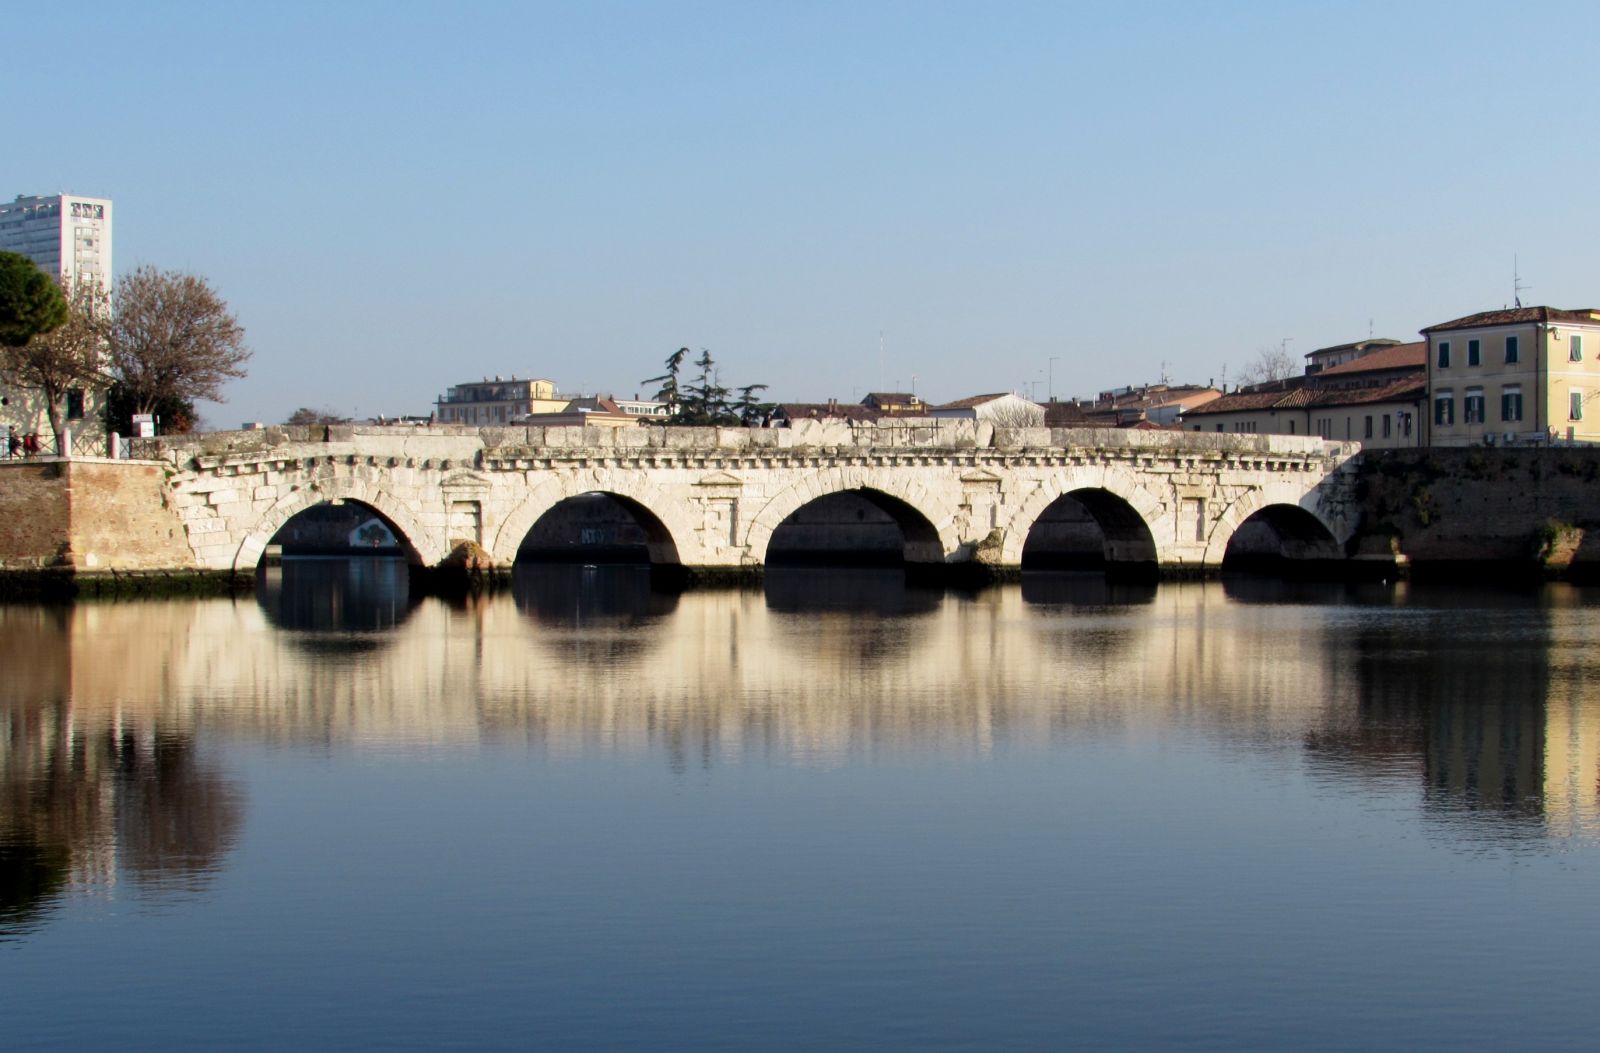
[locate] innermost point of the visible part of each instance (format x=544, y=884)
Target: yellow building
x=1523, y=375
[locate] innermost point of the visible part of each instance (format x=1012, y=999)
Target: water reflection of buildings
x=1493, y=720
x=1489, y=726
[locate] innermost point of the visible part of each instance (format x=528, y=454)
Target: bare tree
x=1270, y=363
x=171, y=336
x=64, y=359
x=1016, y=414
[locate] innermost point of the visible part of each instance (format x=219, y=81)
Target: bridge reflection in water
x=1487, y=710
x=566, y=807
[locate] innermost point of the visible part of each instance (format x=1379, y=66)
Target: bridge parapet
x=902, y=433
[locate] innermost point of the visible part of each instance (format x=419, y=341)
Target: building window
x=1291, y=427
x=1444, y=354
x=1405, y=425
x=1444, y=409
x=1575, y=350
x=1386, y=425
x=1472, y=407
x=1511, y=349
x=1511, y=404
x=1575, y=410
x=75, y=404
x=1368, y=434
x=1473, y=353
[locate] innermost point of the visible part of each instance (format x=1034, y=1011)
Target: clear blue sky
x=396, y=197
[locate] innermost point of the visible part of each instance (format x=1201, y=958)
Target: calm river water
x=832, y=813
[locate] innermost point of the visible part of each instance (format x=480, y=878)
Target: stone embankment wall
x=33, y=514
x=88, y=515
x=1527, y=508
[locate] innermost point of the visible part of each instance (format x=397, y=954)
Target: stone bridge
x=710, y=499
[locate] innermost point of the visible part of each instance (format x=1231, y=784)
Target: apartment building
x=69, y=237
x=1520, y=375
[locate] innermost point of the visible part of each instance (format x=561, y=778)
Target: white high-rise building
x=69, y=237
x=66, y=235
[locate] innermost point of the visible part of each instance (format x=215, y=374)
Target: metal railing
x=91, y=444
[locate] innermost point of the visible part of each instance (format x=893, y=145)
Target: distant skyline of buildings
x=1513, y=376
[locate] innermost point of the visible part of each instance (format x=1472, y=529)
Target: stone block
x=833, y=433
x=197, y=527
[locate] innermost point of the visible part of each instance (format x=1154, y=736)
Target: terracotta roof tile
x=1244, y=401
x=826, y=411
x=1311, y=398
x=1064, y=415
x=1520, y=316
x=973, y=400
x=1354, y=345
x=1400, y=356
x=1409, y=387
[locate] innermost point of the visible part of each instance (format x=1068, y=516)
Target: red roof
x=1064, y=415
x=1241, y=401
x=1407, y=389
x=1520, y=316
x=1309, y=398
x=1400, y=356
x=827, y=411
x=972, y=401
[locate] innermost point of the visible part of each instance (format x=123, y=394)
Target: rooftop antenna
x=1164, y=373
x=1369, y=329
x=1516, y=281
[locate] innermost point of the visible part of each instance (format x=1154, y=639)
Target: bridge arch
x=1298, y=523
x=929, y=538
x=1116, y=498
x=665, y=524
x=1124, y=539
x=412, y=537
